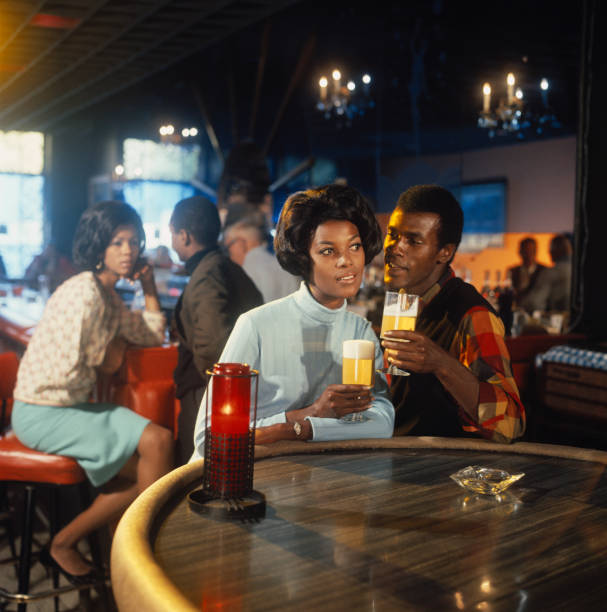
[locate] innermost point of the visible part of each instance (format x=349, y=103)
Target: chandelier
x=344, y=101
x=169, y=134
x=519, y=112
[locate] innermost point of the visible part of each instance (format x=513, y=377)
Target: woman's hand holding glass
x=338, y=401
x=358, y=368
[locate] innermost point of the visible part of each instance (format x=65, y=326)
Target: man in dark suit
x=525, y=275
x=217, y=293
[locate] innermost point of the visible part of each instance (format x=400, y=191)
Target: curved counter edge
x=138, y=581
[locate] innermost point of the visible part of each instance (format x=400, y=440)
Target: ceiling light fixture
x=344, y=101
x=519, y=113
x=168, y=133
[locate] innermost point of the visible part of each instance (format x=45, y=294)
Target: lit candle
x=323, y=88
x=231, y=399
x=336, y=80
x=228, y=468
x=510, y=80
x=544, y=86
x=366, y=83
x=486, y=97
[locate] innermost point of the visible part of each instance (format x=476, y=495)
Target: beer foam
x=359, y=349
x=402, y=304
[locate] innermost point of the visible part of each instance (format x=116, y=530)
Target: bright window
x=21, y=199
x=146, y=159
x=157, y=176
x=154, y=201
x=22, y=152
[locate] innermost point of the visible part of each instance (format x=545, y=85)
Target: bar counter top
x=376, y=525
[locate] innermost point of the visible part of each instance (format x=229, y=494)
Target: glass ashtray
x=487, y=481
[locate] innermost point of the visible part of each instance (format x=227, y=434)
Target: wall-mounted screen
x=484, y=206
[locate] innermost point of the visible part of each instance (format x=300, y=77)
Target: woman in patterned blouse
x=85, y=329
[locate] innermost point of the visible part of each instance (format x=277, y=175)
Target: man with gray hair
x=246, y=242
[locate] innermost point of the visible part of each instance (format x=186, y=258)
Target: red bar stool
x=9, y=364
x=35, y=471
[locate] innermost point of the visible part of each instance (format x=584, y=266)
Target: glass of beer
x=400, y=312
x=358, y=368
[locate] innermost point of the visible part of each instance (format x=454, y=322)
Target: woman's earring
x=99, y=266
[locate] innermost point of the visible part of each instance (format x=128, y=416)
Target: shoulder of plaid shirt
x=480, y=346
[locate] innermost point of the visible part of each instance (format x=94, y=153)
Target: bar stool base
x=251, y=507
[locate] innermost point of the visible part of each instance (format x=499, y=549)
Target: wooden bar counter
x=376, y=525
x=18, y=317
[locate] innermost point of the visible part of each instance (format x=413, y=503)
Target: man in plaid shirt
x=461, y=380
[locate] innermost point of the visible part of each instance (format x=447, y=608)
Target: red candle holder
x=230, y=414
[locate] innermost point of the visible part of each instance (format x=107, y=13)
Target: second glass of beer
x=400, y=312
x=358, y=368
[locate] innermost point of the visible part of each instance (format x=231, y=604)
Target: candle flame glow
x=227, y=409
x=323, y=82
x=510, y=80
x=487, y=89
x=336, y=75
x=544, y=84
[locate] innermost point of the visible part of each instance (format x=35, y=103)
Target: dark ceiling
x=58, y=57
x=139, y=63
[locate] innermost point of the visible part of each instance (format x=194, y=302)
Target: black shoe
x=95, y=575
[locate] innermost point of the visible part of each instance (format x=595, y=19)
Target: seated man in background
x=52, y=265
x=461, y=380
x=525, y=275
x=552, y=290
x=246, y=242
x=217, y=293
x=162, y=258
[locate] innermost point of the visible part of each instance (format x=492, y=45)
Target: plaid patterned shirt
x=478, y=343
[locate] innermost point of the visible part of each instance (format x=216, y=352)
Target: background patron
x=552, y=290
x=85, y=328
x=246, y=242
x=524, y=276
x=217, y=293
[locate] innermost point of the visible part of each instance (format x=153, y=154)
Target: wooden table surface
x=380, y=528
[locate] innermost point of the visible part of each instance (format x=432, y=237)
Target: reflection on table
x=382, y=528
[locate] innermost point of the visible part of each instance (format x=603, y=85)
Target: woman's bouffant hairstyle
x=95, y=230
x=304, y=211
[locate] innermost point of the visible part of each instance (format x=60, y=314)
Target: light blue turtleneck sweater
x=296, y=345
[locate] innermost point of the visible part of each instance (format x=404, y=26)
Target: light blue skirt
x=100, y=437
